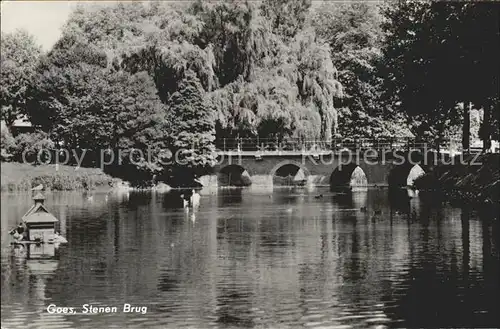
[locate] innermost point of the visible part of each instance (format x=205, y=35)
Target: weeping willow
x=263, y=73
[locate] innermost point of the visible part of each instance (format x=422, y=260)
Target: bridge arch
x=415, y=172
x=404, y=175
x=234, y=175
x=289, y=173
x=348, y=177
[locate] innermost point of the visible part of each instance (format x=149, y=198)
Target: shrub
x=31, y=144
x=7, y=142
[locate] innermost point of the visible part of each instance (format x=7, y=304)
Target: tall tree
x=193, y=128
x=439, y=54
x=354, y=33
x=18, y=59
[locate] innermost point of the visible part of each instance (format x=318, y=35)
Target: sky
x=43, y=19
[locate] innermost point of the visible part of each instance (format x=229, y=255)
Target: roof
x=40, y=217
x=39, y=214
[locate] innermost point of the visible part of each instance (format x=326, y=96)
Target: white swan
x=195, y=199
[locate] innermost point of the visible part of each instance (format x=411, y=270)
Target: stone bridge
x=351, y=168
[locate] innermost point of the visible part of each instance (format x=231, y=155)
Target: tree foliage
x=86, y=106
x=193, y=128
x=439, y=54
x=169, y=75
x=18, y=59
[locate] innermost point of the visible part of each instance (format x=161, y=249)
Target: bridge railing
x=264, y=145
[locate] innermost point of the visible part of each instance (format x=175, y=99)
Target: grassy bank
x=22, y=177
x=466, y=183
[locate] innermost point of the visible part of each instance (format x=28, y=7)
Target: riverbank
x=22, y=177
x=476, y=184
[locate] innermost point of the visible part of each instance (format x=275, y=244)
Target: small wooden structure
x=40, y=223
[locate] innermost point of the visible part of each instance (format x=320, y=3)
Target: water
x=247, y=259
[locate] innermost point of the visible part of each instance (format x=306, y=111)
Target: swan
x=195, y=199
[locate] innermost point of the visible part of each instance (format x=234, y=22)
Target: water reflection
x=280, y=259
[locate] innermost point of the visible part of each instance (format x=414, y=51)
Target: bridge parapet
x=296, y=146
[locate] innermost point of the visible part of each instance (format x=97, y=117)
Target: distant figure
x=195, y=199
x=37, y=188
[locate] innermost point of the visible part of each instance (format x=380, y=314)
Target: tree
x=193, y=128
x=18, y=59
x=354, y=34
x=439, y=54
x=287, y=17
x=88, y=106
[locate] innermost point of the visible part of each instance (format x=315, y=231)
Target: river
x=256, y=259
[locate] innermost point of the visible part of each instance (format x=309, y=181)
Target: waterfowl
x=195, y=199
x=37, y=188
x=377, y=212
x=362, y=209
x=90, y=198
x=318, y=196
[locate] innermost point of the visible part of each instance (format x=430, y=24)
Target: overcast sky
x=43, y=19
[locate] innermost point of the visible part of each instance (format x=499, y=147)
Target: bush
x=31, y=144
x=22, y=177
x=7, y=142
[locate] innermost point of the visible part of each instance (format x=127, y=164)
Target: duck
x=195, y=199
x=318, y=196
